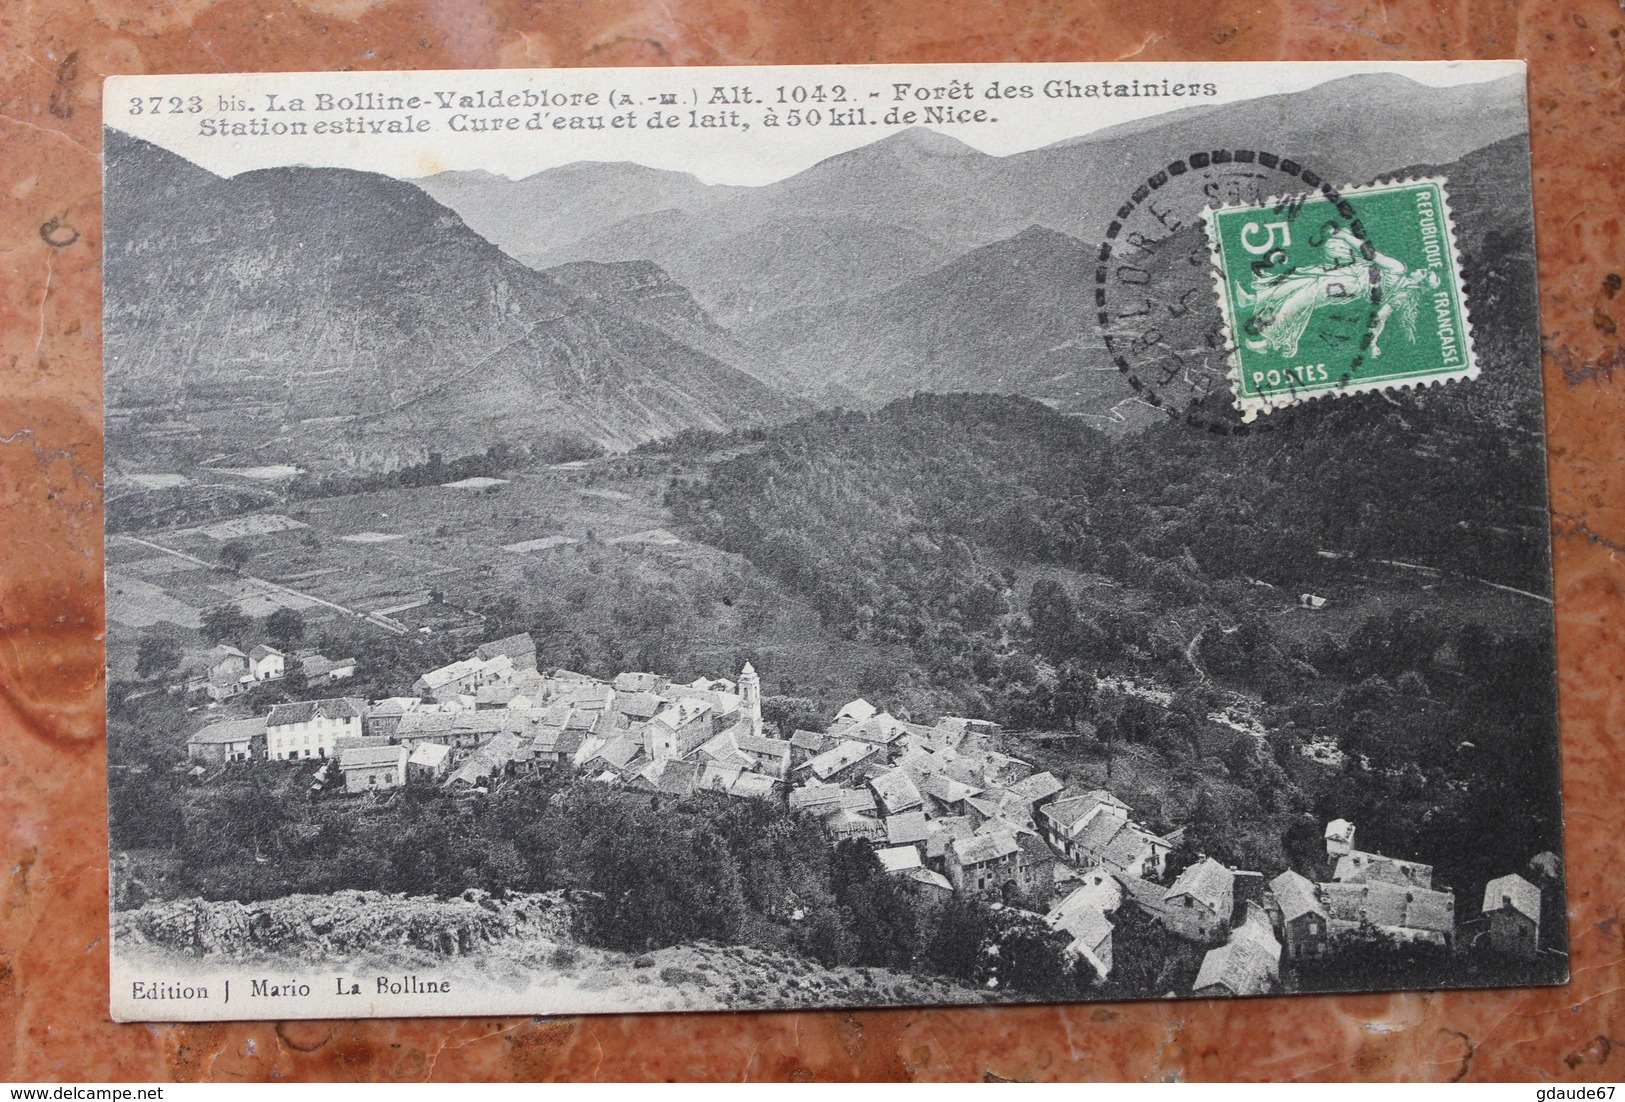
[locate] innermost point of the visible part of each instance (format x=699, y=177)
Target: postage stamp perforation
x=1251, y=406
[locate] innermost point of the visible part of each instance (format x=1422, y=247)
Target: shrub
x=675, y=977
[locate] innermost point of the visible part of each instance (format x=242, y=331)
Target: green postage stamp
x=1340, y=292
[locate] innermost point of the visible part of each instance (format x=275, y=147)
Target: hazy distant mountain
x=1007, y=317
x=882, y=214
x=1348, y=130
x=548, y=210
x=340, y=314
x=854, y=223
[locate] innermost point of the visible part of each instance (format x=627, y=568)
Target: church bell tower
x=750, y=694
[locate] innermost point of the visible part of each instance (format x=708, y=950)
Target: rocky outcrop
x=344, y=922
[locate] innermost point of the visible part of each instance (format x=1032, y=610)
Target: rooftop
x=1296, y=895
x=307, y=710
x=1208, y=882
x=907, y=828
x=1037, y=787
x=816, y=741
x=1515, y=892
x=1066, y=812
x=769, y=747
x=846, y=754
x=429, y=753
x=899, y=858
x=979, y=848
x=1358, y=867
x=896, y=791
x=756, y=785
x=370, y=757
x=228, y=731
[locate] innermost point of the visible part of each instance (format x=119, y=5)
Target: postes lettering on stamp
x=1339, y=292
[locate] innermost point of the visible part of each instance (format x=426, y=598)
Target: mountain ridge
x=908, y=203
x=269, y=307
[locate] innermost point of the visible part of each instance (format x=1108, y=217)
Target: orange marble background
x=53, y=857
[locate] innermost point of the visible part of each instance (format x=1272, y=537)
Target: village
x=943, y=810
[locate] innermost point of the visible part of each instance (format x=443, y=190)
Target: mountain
x=848, y=225
x=1007, y=317
x=563, y=204
x=275, y=306
x=1012, y=317
x=1349, y=130
x=876, y=216
x=643, y=291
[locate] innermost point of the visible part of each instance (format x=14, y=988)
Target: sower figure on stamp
x=1282, y=304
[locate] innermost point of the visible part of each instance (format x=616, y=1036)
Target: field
x=583, y=553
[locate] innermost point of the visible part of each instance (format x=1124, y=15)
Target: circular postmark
x=1158, y=307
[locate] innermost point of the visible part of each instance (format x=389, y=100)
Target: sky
x=206, y=118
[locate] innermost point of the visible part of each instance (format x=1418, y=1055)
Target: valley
x=855, y=432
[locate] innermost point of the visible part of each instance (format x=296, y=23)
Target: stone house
x=319, y=669
x=228, y=740
x=895, y=793
x=841, y=763
x=806, y=745
x=464, y=677
x=373, y=768
x=1037, y=791
x=1339, y=839
x=1095, y=829
x=1035, y=867
x=1199, y=904
x=1304, y=922
x=312, y=728
x=221, y=674
x=1085, y=915
x=429, y=762
x=1249, y=963
x=382, y=718
x=984, y=864
x=769, y=755
x=1512, y=904
x=679, y=729
x=266, y=663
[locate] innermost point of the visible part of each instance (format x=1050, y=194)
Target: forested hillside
x=1027, y=559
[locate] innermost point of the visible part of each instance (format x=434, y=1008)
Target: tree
x=285, y=627
x=502, y=615
x=852, y=864
x=958, y=938
x=223, y=622
x=790, y=713
x=882, y=923
x=158, y=652
x=1034, y=960
x=236, y=554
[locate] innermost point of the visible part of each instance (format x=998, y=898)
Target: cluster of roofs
x=1250, y=927
x=944, y=811
x=226, y=672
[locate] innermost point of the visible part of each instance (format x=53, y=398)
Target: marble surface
x=53, y=967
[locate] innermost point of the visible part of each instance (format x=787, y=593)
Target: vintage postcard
x=741, y=538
